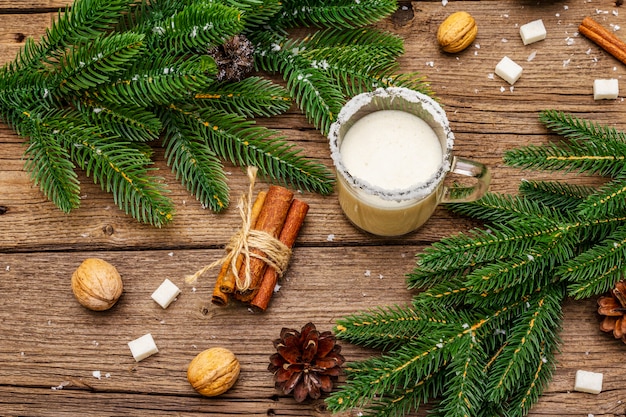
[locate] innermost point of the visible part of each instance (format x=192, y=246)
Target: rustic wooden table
x=48, y=340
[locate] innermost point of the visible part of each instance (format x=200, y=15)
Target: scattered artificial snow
x=60, y=386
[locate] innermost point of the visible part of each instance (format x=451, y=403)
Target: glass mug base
x=379, y=220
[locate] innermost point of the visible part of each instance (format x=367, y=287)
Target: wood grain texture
x=48, y=341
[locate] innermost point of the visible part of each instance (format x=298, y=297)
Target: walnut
x=457, y=32
x=213, y=371
x=96, y=284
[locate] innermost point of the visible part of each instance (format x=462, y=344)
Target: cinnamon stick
x=291, y=229
x=603, y=38
x=219, y=297
x=227, y=280
x=271, y=220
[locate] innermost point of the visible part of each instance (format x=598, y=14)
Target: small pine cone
x=234, y=58
x=613, y=308
x=306, y=363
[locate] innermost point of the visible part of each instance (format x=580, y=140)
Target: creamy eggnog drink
x=392, y=149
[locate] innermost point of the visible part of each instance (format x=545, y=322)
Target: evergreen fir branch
x=604, y=262
x=503, y=209
x=560, y=196
x=166, y=80
x=410, y=80
x=438, y=342
x=537, y=381
x=427, y=278
x=606, y=158
x=575, y=128
x=465, y=386
x=89, y=65
x=525, y=344
x=250, y=97
x=19, y=105
x=607, y=199
x=510, y=293
x=477, y=246
x=369, y=50
x=524, y=270
x=400, y=402
x=243, y=143
x=50, y=167
x=444, y=294
x=584, y=231
x=131, y=123
x=350, y=62
x=371, y=378
x=128, y=178
x=340, y=13
x=256, y=13
x=198, y=25
x=382, y=328
x=311, y=89
x=119, y=168
x=194, y=163
x=82, y=21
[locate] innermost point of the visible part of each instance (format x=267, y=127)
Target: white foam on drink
x=391, y=150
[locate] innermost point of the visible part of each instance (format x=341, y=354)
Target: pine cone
x=306, y=362
x=234, y=59
x=613, y=307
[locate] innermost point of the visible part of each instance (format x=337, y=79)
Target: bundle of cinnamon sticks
x=279, y=216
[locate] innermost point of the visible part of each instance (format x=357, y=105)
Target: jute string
x=276, y=254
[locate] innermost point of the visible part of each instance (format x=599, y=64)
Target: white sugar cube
x=532, y=32
x=605, y=89
x=508, y=70
x=590, y=382
x=166, y=293
x=143, y=347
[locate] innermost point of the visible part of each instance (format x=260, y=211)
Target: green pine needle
x=250, y=97
x=51, y=168
x=556, y=195
x=339, y=13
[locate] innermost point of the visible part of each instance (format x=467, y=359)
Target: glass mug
x=392, y=150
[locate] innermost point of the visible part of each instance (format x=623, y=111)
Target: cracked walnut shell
x=96, y=284
x=457, y=32
x=213, y=371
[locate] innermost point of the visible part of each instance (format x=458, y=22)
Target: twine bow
x=275, y=253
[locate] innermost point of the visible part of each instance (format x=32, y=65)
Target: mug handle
x=468, y=168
